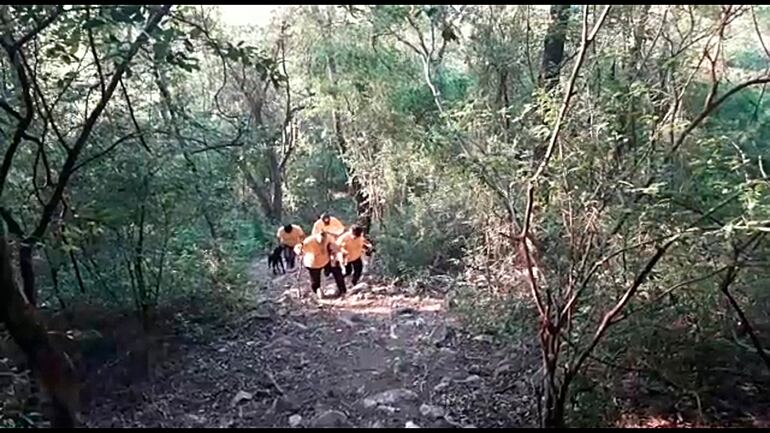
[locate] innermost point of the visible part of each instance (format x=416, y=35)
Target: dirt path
x=378, y=358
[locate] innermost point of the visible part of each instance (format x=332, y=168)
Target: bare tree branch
x=39, y=28
x=107, y=150
x=25, y=120
x=585, y=43
x=79, y=144
x=133, y=117
x=92, y=44
x=707, y=111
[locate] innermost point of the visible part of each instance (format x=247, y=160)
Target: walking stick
x=299, y=275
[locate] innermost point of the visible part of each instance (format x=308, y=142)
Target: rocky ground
x=387, y=355
x=380, y=357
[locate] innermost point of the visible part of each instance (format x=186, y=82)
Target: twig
x=585, y=43
x=724, y=287
x=274, y=382
x=705, y=113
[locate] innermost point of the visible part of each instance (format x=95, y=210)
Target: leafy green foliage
x=435, y=113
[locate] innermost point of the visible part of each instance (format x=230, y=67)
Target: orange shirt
x=335, y=227
x=352, y=247
x=315, y=252
x=290, y=239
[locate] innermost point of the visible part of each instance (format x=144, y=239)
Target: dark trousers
x=315, y=277
x=356, y=267
x=289, y=256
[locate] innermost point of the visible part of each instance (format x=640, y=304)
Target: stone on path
x=445, y=382
x=241, y=396
x=284, y=404
x=391, y=396
x=331, y=418
x=470, y=379
x=295, y=421
x=431, y=411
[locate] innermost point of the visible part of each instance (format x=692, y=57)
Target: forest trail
x=383, y=356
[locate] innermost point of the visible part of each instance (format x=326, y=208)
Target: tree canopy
x=595, y=171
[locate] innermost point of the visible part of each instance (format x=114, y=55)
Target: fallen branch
x=275, y=382
x=724, y=287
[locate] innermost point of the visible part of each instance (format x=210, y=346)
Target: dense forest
x=583, y=188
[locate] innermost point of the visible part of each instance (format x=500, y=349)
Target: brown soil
x=284, y=356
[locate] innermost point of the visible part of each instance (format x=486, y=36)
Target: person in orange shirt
x=329, y=224
x=319, y=252
x=352, y=244
x=288, y=237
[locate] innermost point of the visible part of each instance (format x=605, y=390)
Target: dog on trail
x=275, y=261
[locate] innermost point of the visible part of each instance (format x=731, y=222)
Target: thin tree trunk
x=75, y=265
x=363, y=207
x=141, y=284
x=53, y=367
x=276, y=199
x=54, y=269
x=552, y=60
x=27, y=272
x=553, y=51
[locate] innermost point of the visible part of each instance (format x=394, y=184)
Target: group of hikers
x=330, y=248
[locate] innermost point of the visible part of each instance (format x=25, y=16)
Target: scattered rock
x=83, y=336
x=399, y=365
x=431, y=411
x=447, y=351
x=391, y=396
x=295, y=421
x=410, y=424
x=417, y=322
x=195, y=418
x=470, y=379
x=280, y=341
x=299, y=325
x=357, y=318
x=346, y=321
x=393, y=334
x=331, y=418
x=377, y=424
x=241, y=396
x=406, y=311
x=474, y=369
x=262, y=312
x=284, y=404
x=456, y=424
x=445, y=382
x=439, y=334
x=389, y=409
x=484, y=338
x=501, y=370
x=360, y=287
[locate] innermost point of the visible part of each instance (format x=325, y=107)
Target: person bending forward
x=352, y=245
x=329, y=224
x=289, y=236
x=320, y=253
